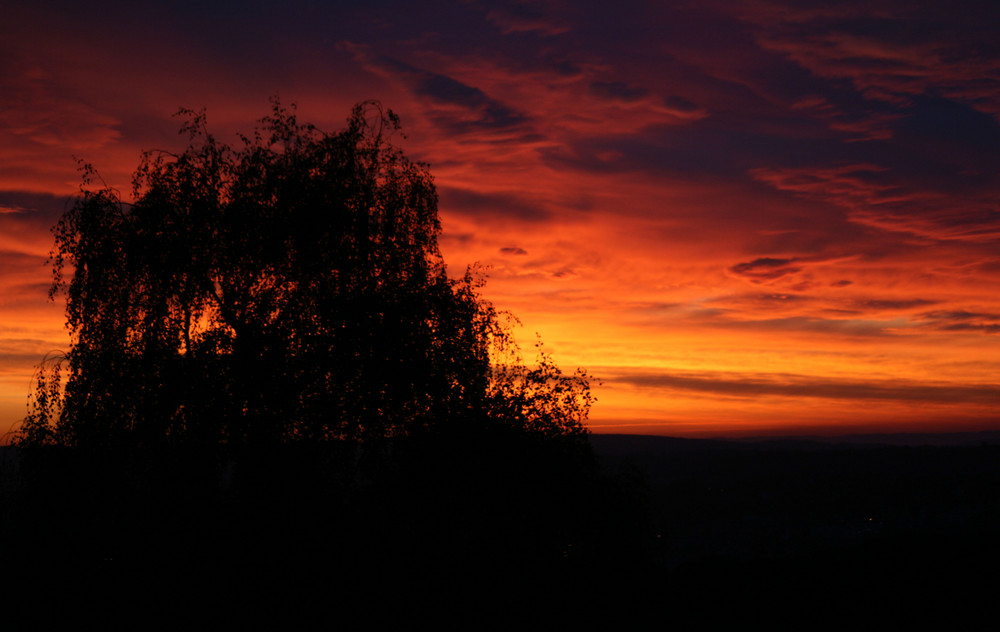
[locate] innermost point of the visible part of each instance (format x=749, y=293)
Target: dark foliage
x=276, y=403
x=287, y=290
x=278, y=407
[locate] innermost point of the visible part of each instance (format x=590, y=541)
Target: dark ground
x=861, y=531
x=667, y=533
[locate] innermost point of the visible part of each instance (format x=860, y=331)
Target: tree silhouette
x=289, y=289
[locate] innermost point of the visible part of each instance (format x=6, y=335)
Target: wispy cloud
x=790, y=385
x=889, y=52
x=880, y=199
x=495, y=205
x=961, y=320
x=526, y=17
x=765, y=269
x=478, y=110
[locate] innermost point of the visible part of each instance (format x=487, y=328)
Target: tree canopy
x=288, y=288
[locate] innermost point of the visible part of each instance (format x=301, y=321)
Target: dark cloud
x=951, y=135
x=920, y=102
x=766, y=300
x=513, y=250
x=34, y=109
x=851, y=117
x=831, y=326
x=986, y=328
x=680, y=104
x=842, y=184
x=492, y=205
x=19, y=356
x=815, y=312
x=618, y=90
x=891, y=52
x=973, y=221
x=752, y=386
x=16, y=264
x=961, y=320
x=484, y=111
x=712, y=146
x=765, y=269
x=656, y=307
x=445, y=89
x=458, y=238
x=37, y=207
x=891, y=305
x=25, y=280
x=19, y=360
x=526, y=17
x=25, y=223
x=941, y=205
x=959, y=315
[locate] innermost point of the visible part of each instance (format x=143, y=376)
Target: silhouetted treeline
x=287, y=290
x=274, y=394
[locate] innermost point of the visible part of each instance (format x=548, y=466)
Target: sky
x=745, y=217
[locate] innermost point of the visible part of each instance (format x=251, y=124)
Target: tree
x=289, y=289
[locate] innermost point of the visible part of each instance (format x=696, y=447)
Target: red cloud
x=935, y=49
x=765, y=269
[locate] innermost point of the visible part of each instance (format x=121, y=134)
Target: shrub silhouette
x=286, y=290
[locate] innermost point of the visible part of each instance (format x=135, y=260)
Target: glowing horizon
x=756, y=217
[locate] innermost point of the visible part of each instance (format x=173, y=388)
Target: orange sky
x=745, y=217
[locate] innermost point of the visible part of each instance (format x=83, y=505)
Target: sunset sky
x=744, y=216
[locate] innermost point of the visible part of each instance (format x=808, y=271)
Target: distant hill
x=624, y=444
